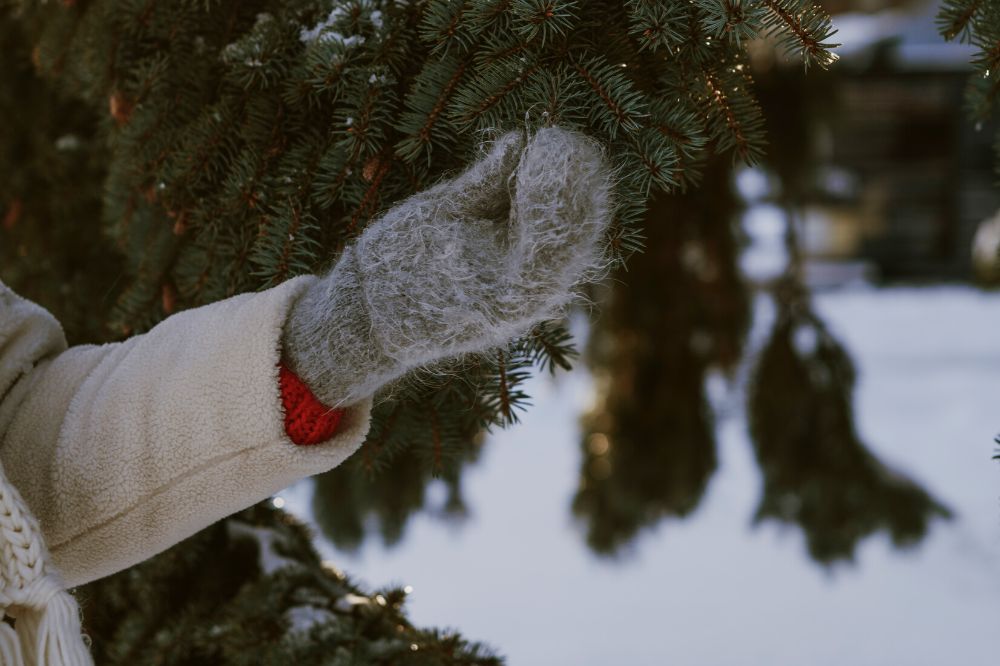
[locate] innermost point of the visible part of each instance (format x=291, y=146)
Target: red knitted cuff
x=307, y=420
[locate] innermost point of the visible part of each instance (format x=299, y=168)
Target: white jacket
x=122, y=450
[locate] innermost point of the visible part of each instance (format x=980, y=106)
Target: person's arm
x=123, y=450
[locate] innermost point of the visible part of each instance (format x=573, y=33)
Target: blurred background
x=776, y=449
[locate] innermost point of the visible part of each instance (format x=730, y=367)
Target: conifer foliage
x=976, y=22
x=818, y=474
x=251, y=590
x=680, y=312
x=251, y=140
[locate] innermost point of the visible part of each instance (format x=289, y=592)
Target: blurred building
x=905, y=176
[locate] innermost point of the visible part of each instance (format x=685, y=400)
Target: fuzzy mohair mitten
x=462, y=267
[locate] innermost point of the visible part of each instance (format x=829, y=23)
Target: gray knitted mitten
x=462, y=267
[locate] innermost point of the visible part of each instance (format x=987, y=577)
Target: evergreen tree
x=251, y=590
x=681, y=310
x=817, y=472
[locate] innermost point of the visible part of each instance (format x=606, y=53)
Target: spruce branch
x=476, y=101
x=424, y=123
x=736, y=123
x=619, y=107
x=488, y=12
x=656, y=25
x=976, y=23
x=442, y=26
x=559, y=94
x=736, y=20
x=804, y=27
x=549, y=346
x=369, y=203
x=956, y=17
x=506, y=413
x=543, y=20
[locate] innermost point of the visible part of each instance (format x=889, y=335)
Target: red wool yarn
x=307, y=420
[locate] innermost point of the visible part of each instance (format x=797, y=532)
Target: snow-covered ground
x=710, y=589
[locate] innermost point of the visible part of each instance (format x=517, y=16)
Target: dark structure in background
x=906, y=176
x=681, y=310
x=926, y=174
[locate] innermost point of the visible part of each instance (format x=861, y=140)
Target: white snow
x=753, y=183
x=323, y=31
x=766, y=257
x=710, y=590
x=312, y=34
x=347, y=602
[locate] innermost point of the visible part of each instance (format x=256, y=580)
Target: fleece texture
x=462, y=267
x=122, y=450
x=46, y=631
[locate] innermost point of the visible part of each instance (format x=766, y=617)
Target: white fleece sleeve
x=122, y=450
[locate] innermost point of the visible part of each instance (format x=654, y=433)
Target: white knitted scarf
x=46, y=629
